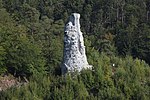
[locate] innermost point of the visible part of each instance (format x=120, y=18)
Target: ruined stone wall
x=74, y=58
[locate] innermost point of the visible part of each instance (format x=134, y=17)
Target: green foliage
x=119, y=18
x=31, y=45
x=2, y=58
x=127, y=80
x=18, y=54
x=23, y=57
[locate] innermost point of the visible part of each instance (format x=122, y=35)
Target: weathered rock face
x=74, y=58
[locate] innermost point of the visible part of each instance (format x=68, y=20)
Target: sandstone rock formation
x=74, y=58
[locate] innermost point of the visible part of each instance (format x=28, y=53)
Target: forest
x=117, y=39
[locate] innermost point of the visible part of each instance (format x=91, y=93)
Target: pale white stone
x=74, y=58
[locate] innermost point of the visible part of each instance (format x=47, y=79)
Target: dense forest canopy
x=115, y=32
